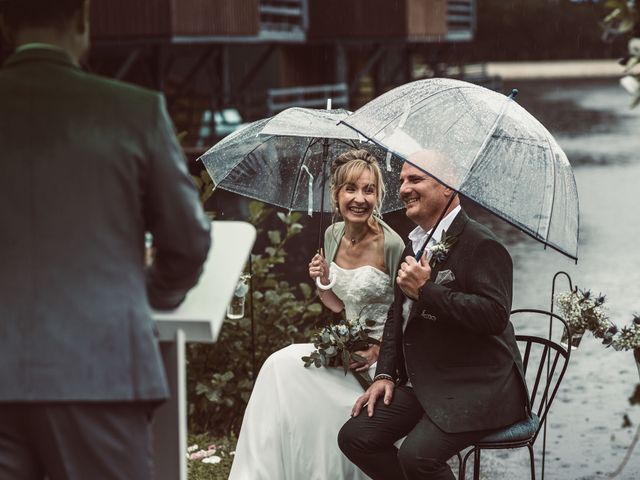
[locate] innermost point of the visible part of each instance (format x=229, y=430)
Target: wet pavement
x=601, y=136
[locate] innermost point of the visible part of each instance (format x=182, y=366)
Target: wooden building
x=261, y=56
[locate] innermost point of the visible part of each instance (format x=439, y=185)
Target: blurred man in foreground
x=87, y=165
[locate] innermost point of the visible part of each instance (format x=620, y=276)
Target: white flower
x=212, y=459
x=630, y=84
x=438, y=247
x=192, y=448
x=343, y=330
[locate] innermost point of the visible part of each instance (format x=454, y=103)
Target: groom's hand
x=379, y=388
x=370, y=356
x=413, y=275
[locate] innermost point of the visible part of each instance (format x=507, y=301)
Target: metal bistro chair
x=552, y=360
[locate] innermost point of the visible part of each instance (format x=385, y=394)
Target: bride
x=294, y=414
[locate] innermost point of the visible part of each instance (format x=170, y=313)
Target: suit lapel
x=458, y=224
x=399, y=297
x=455, y=230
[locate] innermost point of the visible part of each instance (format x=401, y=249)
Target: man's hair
x=38, y=13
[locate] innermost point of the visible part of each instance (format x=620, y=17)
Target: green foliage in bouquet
x=336, y=346
x=220, y=376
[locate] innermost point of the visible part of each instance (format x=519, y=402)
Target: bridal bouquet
x=336, y=346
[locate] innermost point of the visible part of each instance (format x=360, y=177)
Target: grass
x=224, y=449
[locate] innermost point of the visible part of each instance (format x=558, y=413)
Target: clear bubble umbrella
x=285, y=160
x=495, y=153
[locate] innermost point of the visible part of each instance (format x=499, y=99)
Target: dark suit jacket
x=87, y=165
x=459, y=345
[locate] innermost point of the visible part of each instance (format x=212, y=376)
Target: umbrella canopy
x=495, y=152
x=285, y=160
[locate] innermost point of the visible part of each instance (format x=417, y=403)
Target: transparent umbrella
x=496, y=153
x=285, y=160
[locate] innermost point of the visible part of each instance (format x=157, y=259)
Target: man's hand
x=379, y=388
x=370, y=355
x=413, y=275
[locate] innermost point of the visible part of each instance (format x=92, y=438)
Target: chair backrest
x=544, y=360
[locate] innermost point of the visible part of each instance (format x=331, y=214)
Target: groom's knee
x=356, y=437
x=348, y=438
x=416, y=463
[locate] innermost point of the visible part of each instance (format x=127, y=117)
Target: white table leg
x=170, y=422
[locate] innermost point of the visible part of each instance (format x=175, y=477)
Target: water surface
x=601, y=136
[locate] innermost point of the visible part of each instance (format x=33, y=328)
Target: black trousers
x=369, y=441
x=75, y=441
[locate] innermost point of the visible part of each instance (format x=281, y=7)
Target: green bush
x=220, y=376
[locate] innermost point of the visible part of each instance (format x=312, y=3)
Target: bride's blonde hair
x=347, y=168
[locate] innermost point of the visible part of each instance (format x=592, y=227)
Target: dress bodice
x=366, y=293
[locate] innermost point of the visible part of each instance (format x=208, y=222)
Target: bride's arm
x=330, y=300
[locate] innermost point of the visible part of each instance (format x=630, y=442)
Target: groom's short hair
x=18, y=14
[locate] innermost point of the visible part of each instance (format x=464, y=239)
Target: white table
x=198, y=319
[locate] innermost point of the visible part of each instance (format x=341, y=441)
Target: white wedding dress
x=290, y=427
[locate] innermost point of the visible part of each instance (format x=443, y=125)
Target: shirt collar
x=419, y=234
x=32, y=45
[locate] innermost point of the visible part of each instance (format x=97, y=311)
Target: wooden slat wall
x=426, y=18
x=129, y=18
x=306, y=65
x=216, y=17
x=413, y=19
x=166, y=18
x=357, y=18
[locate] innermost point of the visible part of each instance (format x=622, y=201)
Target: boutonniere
x=441, y=249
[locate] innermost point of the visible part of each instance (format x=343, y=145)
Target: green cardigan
x=393, y=246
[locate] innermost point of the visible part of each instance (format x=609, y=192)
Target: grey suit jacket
x=87, y=165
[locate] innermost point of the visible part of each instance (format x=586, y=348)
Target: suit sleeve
x=485, y=305
x=181, y=230
x=387, y=359
x=387, y=362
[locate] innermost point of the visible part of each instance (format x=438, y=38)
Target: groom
x=449, y=369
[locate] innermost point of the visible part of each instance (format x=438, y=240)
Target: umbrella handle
x=329, y=286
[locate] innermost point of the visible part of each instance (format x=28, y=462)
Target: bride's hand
x=318, y=268
x=371, y=356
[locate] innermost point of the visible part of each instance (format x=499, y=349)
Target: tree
x=624, y=20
